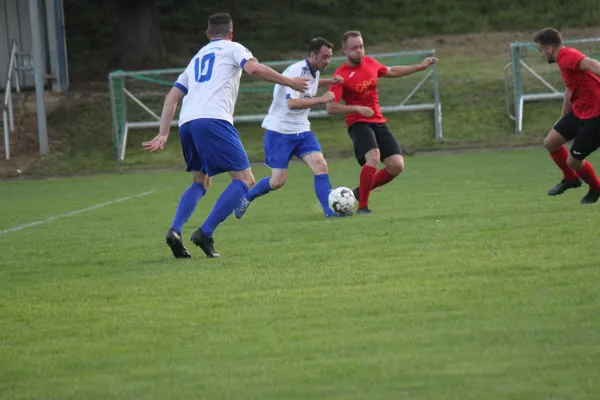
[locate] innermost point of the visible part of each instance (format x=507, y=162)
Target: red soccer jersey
x=360, y=88
x=584, y=86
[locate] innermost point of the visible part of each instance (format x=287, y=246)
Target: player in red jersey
x=373, y=141
x=580, y=116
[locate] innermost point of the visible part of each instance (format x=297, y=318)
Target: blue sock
x=322, y=189
x=187, y=205
x=261, y=188
x=226, y=203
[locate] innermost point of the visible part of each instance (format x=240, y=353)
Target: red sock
x=381, y=178
x=367, y=176
x=589, y=176
x=560, y=158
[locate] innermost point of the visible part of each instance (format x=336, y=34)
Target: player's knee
x=249, y=181
x=549, y=145
x=277, y=183
x=553, y=141
x=320, y=166
x=396, y=166
x=201, y=178
x=372, y=157
x=246, y=177
x=574, y=164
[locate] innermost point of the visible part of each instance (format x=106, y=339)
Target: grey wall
x=15, y=25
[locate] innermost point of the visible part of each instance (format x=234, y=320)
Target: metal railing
x=8, y=118
x=123, y=83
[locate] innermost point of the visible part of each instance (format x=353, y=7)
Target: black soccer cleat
x=174, y=241
x=363, y=211
x=565, y=185
x=356, y=193
x=591, y=197
x=205, y=243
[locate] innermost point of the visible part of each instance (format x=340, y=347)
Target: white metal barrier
x=8, y=118
x=149, y=99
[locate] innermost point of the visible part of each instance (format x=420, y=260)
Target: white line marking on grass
x=70, y=214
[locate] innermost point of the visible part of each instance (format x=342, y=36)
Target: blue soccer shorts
x=280, y=147
x=212, y=146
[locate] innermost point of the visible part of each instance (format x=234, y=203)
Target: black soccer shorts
x=585, y=134
x=367, y=136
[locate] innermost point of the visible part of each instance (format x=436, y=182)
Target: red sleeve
x=570, y=60
x=380, y=68
x=338, y=89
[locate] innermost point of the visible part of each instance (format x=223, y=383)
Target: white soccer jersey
x=280, y=118
x=211, y=81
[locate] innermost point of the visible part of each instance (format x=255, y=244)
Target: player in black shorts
x=368, y=137
x=580, y=116
x=373, y=141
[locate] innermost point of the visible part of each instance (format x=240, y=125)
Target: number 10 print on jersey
x=203, y=69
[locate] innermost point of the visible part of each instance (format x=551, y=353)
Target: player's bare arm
x=566, y=106
x=590, y=65
x=343, y=109
x=336, y=80
x=300, y=104
x=405, y=70
x=166, y=117
x=268, y=74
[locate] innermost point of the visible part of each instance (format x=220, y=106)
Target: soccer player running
x=211, y=145
x=288, y=131
x=580, y=115
x=373, y=141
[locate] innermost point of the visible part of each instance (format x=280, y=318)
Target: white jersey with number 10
x=211, y=81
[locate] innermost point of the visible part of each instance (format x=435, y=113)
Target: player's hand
x=428, y=61
x=337, y=80
x=328, y=97
x=299, y=84
x=158, y=143
x=365, y=111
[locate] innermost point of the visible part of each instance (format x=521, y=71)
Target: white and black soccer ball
x=341, y=200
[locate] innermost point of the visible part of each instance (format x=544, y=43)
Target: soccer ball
x=341, y=200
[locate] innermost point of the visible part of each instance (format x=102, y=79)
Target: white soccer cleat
x=241, y=209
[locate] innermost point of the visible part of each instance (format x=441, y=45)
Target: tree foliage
x=142, y=31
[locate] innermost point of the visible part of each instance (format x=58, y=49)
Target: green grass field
x=467, y=282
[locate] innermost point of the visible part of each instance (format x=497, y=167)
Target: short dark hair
x=348, y=35
x=316, y=44
x=548, y=37
x=220, y=24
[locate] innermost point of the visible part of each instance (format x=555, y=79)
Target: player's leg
x=309, y=151
x=185, y=209
x=564, y=130
x=586, y=142
x=241, y=180
x=265, y=185
x=322, y=184
x=368, y=156
x=391, y=154
x=189, y=199
x=278, y=152
x=221, y=150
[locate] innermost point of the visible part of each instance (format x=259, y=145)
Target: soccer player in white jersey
x=288, y=131
x=211, y=145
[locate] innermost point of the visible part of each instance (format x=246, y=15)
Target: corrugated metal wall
x=15, y=25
